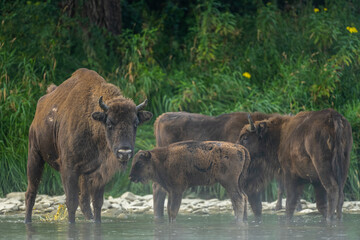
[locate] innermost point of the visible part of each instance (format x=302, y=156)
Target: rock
x=304, y=211
x=122, y=216
x=115, y=206
x=106, y=204
x=59, y=199
x=201, y=211
x=136, y=203
x=129, y=196
x=20, y=196
x=139, y=209
x=7, y=207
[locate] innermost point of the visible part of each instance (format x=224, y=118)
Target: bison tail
x=51, y=88
x=341, y=153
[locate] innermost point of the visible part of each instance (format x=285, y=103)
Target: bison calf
x=193, y=163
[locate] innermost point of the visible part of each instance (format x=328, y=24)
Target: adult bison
x=85, y=129
x=310, y=147
x=193, y=163
x=174, y=127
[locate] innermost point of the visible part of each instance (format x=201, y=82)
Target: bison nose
x=124, y=154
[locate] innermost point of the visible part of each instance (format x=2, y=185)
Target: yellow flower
x=247, y=75
x=325, y=9
x=352, y=29
x=316, y=10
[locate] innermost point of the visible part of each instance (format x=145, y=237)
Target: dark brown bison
x=192, y=163
x=174, y=127
x=85, y=129
x=310, y=147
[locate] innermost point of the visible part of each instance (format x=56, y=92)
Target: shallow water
x=187, y=227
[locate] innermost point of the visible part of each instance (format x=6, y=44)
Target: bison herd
x=85, y=129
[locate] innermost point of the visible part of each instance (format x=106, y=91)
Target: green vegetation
x=209, y=58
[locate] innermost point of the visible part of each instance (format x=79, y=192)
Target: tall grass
x=183, y=58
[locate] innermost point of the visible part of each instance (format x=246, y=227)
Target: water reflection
x=192, y=228
x=187, y=227
x=81, y=231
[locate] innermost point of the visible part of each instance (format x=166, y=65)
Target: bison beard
x=191, y=163
x=311, y=147
x=85, y=129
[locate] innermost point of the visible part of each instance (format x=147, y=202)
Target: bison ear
x=144, y=116
x=99, y=116
x=262, y=129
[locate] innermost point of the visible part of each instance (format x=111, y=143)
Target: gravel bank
x=128, y=203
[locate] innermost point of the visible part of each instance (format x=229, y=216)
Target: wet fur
x=174, y=127
x=192, y=163
x=65, y=135
x=311, y=147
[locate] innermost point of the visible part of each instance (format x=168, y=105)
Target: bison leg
x=71, y=187
x=255, y=204
x=331, y=186
x=84, y=198
x=35, y=167
x=174, y=202
x=159, y=195
x=281, y=190
x=332, y=190
x=321, y=198
x=340, y=205
x=98, y=200
x=294, y=190
x=238, y=200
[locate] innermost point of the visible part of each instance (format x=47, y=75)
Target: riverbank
x=47, y=207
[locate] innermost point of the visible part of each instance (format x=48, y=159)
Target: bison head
x=141, y=170
x=120, y=119
x=252, y=137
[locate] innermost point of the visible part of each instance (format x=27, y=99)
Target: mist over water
x=187, y=227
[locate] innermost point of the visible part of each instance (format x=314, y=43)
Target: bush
x=206, y=57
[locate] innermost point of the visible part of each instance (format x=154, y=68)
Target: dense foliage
x=209, y=57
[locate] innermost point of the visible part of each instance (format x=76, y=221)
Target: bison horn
x=142, y=105
x=103, y=105
x=252, y=126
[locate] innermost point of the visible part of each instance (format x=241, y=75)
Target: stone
x=139, y=209
x=129, y=196
x=106, y=204
x=304, y=211
x=20, y=196
x=122, y=216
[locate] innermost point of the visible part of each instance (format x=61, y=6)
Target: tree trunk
x=103, y=13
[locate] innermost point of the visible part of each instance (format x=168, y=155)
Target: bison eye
x=109, y=125
x=244, y=139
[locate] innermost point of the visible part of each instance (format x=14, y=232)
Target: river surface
x=207, y=227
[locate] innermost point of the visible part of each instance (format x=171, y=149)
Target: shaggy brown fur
x=311, y=147
x=174, y=127
x=83, y=138
x=191, y=163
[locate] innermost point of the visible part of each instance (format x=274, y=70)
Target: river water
x=186, y=227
